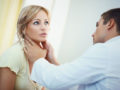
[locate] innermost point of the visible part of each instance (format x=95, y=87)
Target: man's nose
x=93, y=35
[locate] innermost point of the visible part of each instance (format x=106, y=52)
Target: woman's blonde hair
x=26, y=15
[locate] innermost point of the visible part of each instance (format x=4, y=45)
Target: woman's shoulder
x=13, y=57
x=14, y=52
x=15, y=48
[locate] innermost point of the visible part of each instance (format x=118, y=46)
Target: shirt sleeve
x=87, y=69
x=11, y=59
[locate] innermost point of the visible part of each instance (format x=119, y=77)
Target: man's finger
x=44, y=52
x=41, y=45
x=29, y=40
x=45, y=45
x=25, y=49
x=25, y=52
x=27, y=44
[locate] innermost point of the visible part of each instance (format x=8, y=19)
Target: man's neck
x=111, y=36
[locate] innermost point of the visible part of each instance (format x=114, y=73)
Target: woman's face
x=38, y=28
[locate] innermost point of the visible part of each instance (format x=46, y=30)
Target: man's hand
x=33, y=51
x=50, y=53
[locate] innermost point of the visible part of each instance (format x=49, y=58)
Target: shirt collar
x=113, y=39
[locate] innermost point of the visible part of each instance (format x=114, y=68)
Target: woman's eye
x=46, y=22
x=36, y=23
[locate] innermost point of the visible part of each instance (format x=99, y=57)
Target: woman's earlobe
x=23, y=34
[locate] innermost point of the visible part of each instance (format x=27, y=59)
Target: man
x=96, y=69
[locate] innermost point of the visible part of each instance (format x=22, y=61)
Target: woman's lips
x=43, y=34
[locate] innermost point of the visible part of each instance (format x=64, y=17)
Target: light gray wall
x=81, y=23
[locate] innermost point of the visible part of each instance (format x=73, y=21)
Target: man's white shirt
x=97, y=69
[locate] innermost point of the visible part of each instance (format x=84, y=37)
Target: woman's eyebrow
x=39, y=19
x=36, y=19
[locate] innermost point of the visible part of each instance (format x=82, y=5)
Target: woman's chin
x=43, y=40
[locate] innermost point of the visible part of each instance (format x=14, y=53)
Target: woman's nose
x=42, y=27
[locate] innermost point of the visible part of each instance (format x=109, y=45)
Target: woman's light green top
x=15, y=59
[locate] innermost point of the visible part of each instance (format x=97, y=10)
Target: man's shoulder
x=97, y=49
x=98, y=46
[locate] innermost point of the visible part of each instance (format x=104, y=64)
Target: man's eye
x=36, y=23
x=46, y=22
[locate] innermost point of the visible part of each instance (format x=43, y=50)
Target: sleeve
x=87, y=69
x=11, y=59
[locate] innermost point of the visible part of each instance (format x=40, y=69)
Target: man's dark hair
x=112, y=14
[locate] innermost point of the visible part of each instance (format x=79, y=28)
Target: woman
x=15, y=68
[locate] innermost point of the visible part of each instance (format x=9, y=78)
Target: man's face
x=100, y=33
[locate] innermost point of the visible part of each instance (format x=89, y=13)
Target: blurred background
x=72, y=23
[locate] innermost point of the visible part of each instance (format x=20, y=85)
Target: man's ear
x=110, y=24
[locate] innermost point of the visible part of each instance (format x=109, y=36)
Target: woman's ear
x=23, y=33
